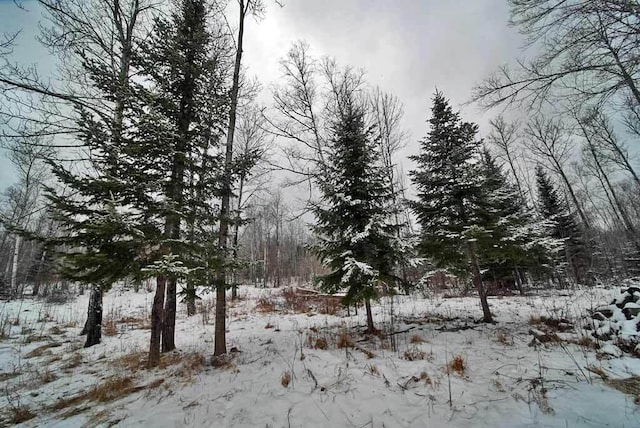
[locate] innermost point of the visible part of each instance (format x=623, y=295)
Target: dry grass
x=366, y=352
x=266, y=305
x=373, y=369
x=223, y=362
x=457, y=365
x=630, y=385
x=344, y=341
x=74, y=361
x=296, y=302
x=414, y=354
x=20, y=414
x=56, y=330
x=47, y=376
x=586, y=342
x=135, y=361
x=598, y=371
x=321, y=343
x=416, y=338
x=285, y=380
x=553, y=324
x=111, y=389
x=42, y=350
x=192, y=364
x=9, y=375
x=424, y=376
x=503, y=337
x=136, y=322
x=109, y=327
x=34, y=338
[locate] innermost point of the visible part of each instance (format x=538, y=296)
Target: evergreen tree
x=562, y=226
x=181, y=126
x=357, y=239
x=101, y=239
x=449, y=180
x=511, y=242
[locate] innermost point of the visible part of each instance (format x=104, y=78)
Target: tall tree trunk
x=38, y=279
x=93, y=326
x=574, y=199
x=169, y=324
x=477, y=282
x=370, y=327
x=234, y=287
x=220, y=340
x=14, y=267
x=156, y=321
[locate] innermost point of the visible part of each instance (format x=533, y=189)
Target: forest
x=228, y=243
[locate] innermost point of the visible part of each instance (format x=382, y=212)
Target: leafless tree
x=587, y=50
x=505, y=137
x=551, y=142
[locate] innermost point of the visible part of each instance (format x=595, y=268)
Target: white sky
x=407, y=47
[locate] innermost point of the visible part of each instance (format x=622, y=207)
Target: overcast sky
x=407, y=47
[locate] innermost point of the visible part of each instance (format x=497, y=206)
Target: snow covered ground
x=307, y=369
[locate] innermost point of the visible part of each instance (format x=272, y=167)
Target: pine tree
x=449, y=181
x=562, y=226
x=356, y=237
x=181, y=125
x=511, y=243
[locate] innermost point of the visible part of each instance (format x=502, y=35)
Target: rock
x=606, y=311
x=630, y=310
x=611, y=350
x=543, y=337
x=598, y=316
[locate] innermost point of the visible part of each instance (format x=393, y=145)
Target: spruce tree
x=561, y=225
x=181, y=125
x=357, y=239
x=511, y=242
x=449, y=180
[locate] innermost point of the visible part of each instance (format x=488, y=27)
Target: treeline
x=147, y=156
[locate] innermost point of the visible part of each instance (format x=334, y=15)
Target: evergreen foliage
x=449, y=180
x=357, y=239
x=562, y=226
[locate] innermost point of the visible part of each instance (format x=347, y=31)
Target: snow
x=506, y=383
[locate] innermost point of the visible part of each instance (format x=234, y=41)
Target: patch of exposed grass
x=457, y=365
x=373, y=369
x=74, y=361
x=285, y=380
x=265, y=305
x=20, y=414
x=630, y=385
x=344, y=341
x=416, y=338
x=111, y=389
x=503, y=337
x=42, y=350
x=109, y=327
x=414, y=354
x=321, y=343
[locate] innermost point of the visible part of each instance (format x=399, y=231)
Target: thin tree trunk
x=38, y=280
x=477, y=282
x=370, y=327
x=169, y=324
x=14, y=267
x=220, y=340
x=156, y=321
x=93, y=325
x=574, y=199
x=191, y=299
x=234, y=287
